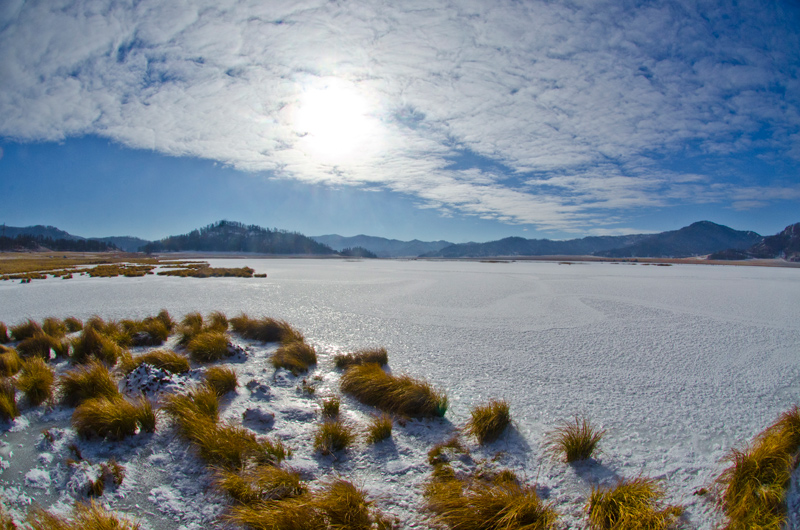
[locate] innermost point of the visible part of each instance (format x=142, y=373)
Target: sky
x=463, y=121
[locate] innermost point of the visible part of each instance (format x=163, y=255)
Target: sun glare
x=335, y=123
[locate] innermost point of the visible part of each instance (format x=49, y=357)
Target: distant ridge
x=518, y=246
x=380, y=246
x=230, y=236
x=124, y=243
x=783, y=245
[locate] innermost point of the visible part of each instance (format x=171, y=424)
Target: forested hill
x=230, y=236
x=26, y=242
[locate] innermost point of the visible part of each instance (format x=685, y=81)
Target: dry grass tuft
x=576, y=439
x=487, y=422
x=330, y=407
x=380, y=428
x=114, y=417
x=296, y=356
x=150, y=331
x=166, y=319
x=631, y=504
x=208, y=346
x=399, y=395
x=54, y=327
x=36, y=381
x=201, y=404
x=374, y=355
x=443, y=452
x=332, y=436
x=40, y=345
x=227, y=446
x=191, y=325
x=265, y=329
x=755, y=485
x=165, y=359
x=478, y=504
x=217, y=321
x=26, y=330
x=8, y=400
x=338, y=505
x=86, y=382
x=73, y=324
x=93, y=343
x=221, y=379
x=10, y=363
x=262, y=483
x=4, y=338
x=86, y=516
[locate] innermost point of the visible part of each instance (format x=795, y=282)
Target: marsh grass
x=36, y=381
x=165, y=359
x=89, y=381
x=755, y=485
x=221, y=379
x=208, y=346
x=332, y=436
x=264, y=329
x=41, y=345
x=10, y=362
x=150, y=331
x=85, y=516
x=295, y=356
x=443, y=452
x=374, y=355
x=575, y=440
x=113, y=417
x=166, y=319
x=8, y=400
x=54, y=327
x=230, y=446
x=487, y=422
x=395, y=394
x=631, y=504
x=330, y=407
x=495, y=503
x=217, y=321
x=201, y=404
x=262, y=483
x=380, y=428
x=26, y=330
x=113, y=471
x=73, y=324
x=190, y=326
x=337, y=505
x=93, y=343
x=4, y=338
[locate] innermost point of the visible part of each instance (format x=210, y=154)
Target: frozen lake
x=678, y=363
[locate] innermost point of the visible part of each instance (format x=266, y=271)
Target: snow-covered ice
x=679, y=364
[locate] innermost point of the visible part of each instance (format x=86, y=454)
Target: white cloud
x=582, y=104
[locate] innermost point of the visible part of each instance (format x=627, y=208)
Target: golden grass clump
x=26, y=330
x=380, y=428
x=165, y=359
x=221, y=379
x=330, y=407
x=201, y=404
x=295, y=356
x=338, y=505
x=54, y=327
x=4, y=338
x=332, y=436
x=86, y=382
x=41, y=345
x=487, y=503
x=208, y=346
x=631, y=504
x=8, y=400
x=487, y=422
x=92, y=343
x=166, y=319
x=150, y=331
x=217, y=321
x=231, y=446
x=86, y=516
x=755, y=485
x=576, y=439
x=443, y=452
x=264, y=329
x=113, y=417
x=36, y=381
x=73, y=324
x=262, y=483
x=395, y=394
x=191, y=325
x=10, y=363
x=374, y=355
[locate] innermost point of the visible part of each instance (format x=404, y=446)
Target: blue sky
x=459, y=121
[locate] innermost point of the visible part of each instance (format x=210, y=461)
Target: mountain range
x=698, y=239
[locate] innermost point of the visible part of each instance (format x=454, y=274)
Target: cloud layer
x=575, y=114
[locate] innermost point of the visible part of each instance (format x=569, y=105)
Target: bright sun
x=335, y=123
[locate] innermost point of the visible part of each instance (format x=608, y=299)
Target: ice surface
x=679, y=364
